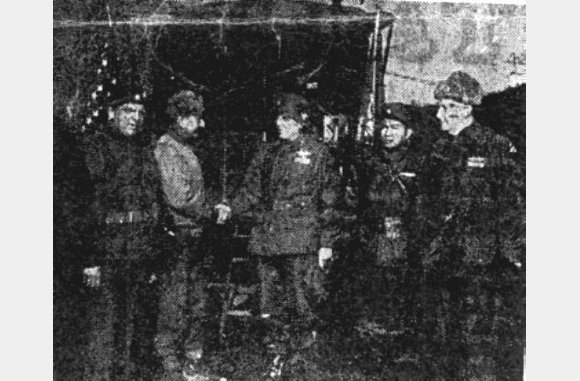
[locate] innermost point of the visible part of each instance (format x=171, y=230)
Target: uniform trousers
x=473, y=312
x=122, y=317
x=291, y=291
x=183, y=324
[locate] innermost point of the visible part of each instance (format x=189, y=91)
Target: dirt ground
x=341, y=354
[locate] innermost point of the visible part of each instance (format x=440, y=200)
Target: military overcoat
x=290, y=191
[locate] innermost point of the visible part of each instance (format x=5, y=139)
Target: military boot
x=193, y=369
x=171, y=366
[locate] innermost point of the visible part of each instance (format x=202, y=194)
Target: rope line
x=153, y=21
x=416, y=79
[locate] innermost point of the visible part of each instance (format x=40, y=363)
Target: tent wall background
x=238, y=67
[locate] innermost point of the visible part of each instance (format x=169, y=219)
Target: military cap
x=184, y=103
x=460, y=87
x=292, y=105
x=119, y=98
x=396, y=111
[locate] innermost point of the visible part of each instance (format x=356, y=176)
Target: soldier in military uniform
x=290, y=192
x=389, y=187
x=124, y=175
x=183, y=322
x=475, y=230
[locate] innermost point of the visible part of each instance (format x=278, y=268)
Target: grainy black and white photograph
x=289, y=190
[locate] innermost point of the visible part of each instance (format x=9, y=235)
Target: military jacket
x=479, y=201
x=290, y=191
x=182, y=180
x=389, y=188
x=124, y=175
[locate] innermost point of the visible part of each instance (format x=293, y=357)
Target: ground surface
x=340, y=356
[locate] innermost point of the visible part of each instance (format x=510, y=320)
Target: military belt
x=129, y=217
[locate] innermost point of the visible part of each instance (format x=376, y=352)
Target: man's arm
x=249, y=199
x=511, y=188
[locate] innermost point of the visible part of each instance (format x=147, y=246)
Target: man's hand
x=224, y=213
x=324, y=255
x=92, y=276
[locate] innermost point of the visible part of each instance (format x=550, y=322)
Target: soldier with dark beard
x=475, y=231
x=124, y=175
x=184, y=325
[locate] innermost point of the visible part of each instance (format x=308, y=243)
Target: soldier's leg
x=509, y=323
x=413, y=312
x=308, y=293
x=455, y=324
x=432, y=302
x=397, y=296
x=199, y=326
x=478, y=335
x=141, y=303
x=270, y=286
x=121, y=324
x=108, y=343
x=172, y=306
x=272, y=272
x=144, y=317
x=274, y=301
x=100, y=350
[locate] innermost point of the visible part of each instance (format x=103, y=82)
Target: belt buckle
x=391, y=227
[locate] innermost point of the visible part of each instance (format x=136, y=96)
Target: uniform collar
x=397, y=154
x=297, y=143
x=139, y=139
x=175, y=135
x=468, y=133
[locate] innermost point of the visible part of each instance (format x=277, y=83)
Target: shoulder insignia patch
x=513, y=148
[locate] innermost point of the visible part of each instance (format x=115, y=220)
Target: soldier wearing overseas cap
x=475, y=235
x=290, y=192
x=122, y=168
x=389, y=185
x=183, y=324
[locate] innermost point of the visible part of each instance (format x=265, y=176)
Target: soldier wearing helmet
x=290, y=192
x=475, y=231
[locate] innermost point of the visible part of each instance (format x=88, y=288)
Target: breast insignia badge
x=303, y=157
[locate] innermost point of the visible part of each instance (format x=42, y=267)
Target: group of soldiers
x=440, y=229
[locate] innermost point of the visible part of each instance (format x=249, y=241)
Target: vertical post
x=375, y=47
x=385, y=53
x=224, y=169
